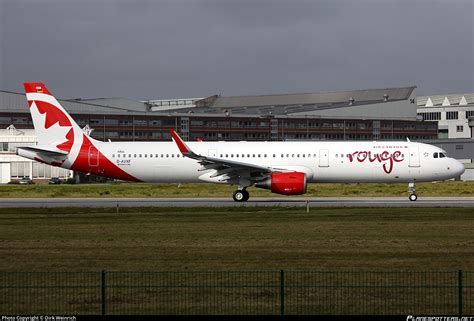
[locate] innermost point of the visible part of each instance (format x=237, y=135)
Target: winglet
x=181, y=145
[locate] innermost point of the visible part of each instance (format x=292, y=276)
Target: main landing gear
x=411, y=191
x=241, y=195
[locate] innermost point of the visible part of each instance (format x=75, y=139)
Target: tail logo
x=54, y=126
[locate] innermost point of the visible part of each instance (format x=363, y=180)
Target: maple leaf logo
x=52, y=125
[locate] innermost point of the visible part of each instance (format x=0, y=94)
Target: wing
x=228, y=169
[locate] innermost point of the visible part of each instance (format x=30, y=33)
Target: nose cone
x=457, y=168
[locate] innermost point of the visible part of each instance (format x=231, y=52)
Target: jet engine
x=293, y=183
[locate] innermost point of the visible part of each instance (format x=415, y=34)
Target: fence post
x=460, y=292
x=104, y=293
x=282, y=293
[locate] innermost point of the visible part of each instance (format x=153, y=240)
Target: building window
x=19, y=169
x=430, y=115
x=459, y=147
x=451, y=115
x=459, y=128
x=469, y=113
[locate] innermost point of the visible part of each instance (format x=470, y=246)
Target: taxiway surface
x=228, y=202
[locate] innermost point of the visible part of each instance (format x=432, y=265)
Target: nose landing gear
x=241, y=195
x=411, y=190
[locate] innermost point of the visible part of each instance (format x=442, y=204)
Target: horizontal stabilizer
x=45, y=150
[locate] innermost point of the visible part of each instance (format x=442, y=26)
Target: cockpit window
x=435, y=155
x=442, y=155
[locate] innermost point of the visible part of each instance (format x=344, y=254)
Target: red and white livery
x=282, y=167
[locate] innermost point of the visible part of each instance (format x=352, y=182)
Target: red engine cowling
x=285, y=183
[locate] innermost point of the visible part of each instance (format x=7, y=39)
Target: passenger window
x=258, y=155
x=172, y=155
x=237, y=155
x=304, y=155
x=298, y=155
x=167, y=155
x=113, y=155
x=231, y=155
x=221, y=155
x=253, y=155
x=282, y=155
x=134, y=155
x=145, y=156
x=129, y=155
x=177, y=155
x=140, y=155
x=274, y=155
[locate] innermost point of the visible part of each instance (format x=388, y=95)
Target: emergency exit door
x=323, y=158
x=414, y=157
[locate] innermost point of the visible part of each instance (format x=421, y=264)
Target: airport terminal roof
x=282, y=104
x=312, y=98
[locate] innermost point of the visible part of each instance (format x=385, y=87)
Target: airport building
x=371, y=114
x=454, y=114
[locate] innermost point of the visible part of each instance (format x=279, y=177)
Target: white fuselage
x=353, y=161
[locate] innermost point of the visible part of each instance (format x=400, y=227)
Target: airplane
x=284, y=168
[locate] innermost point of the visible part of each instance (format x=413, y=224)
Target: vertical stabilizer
x=53, y=125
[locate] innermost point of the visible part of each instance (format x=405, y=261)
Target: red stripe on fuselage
x=104, y=167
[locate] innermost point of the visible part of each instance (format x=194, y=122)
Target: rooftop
x=445, y=100
x=282, y=104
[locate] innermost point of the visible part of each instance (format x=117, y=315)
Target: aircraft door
x=323, y=158
x=93, y=156
x=212, y=153
x=414, y=157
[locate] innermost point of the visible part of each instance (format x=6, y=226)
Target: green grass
x=449, y=188
x=236, y=239
x=157, y=239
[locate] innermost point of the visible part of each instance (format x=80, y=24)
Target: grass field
x=158, y=239
x=449, y=188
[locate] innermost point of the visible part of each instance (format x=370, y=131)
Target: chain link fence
x=237, y=293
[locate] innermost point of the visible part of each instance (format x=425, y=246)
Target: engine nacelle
x=293, y=183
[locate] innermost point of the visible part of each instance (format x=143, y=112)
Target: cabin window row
x=146, y=155
x=265, y=155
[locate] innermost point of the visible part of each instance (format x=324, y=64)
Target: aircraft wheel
x=239, y=196
x=413, y=197
x=246, y=195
